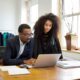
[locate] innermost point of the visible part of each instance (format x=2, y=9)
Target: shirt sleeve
x=7, y=56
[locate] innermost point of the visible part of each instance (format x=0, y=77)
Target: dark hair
x=22, y=27
x=39, y=25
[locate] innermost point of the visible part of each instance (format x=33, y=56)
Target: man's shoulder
x=13, y=39
x=31, y=41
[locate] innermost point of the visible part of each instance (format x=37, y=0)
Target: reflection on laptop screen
x=46, y=60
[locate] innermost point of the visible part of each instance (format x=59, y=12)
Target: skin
x=25, y=35
x=47, y=26
x=30, y=61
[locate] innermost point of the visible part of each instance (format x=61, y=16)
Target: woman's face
x=47, y=26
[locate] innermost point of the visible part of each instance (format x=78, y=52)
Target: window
x=55, y=7
x=33, y=14
x=70, y=19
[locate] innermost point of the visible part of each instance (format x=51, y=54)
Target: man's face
x=25, y=35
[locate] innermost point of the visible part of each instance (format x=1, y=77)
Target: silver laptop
x=46, y=60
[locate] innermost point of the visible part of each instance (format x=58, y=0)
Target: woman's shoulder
x=56, y=39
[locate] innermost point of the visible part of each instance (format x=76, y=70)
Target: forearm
x=13, y=61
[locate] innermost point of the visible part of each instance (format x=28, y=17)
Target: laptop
x=46, y=60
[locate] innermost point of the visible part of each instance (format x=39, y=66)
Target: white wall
x=55, y=7
x=24, y=9
x=15, y=12
x=9, y=15
x=32, y=12
x=45, y=6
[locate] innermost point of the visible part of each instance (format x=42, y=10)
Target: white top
x=22, y=46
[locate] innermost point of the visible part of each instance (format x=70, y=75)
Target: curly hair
x=39, y=25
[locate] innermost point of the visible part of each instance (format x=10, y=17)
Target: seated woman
x=46, y=35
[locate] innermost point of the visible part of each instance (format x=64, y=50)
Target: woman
x=45, y=35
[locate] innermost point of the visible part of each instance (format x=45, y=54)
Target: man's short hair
x=22, y=27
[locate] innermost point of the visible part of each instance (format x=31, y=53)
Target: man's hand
x=29, y=61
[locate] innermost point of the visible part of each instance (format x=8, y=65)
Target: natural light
x=33, y=14
x=71, y=20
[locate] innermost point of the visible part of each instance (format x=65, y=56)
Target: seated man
x=19, y=49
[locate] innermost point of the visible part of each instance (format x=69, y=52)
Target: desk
x=51, y=73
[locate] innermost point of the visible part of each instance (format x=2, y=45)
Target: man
x=19, y=48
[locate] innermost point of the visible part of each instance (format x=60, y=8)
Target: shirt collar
x=21, y=43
